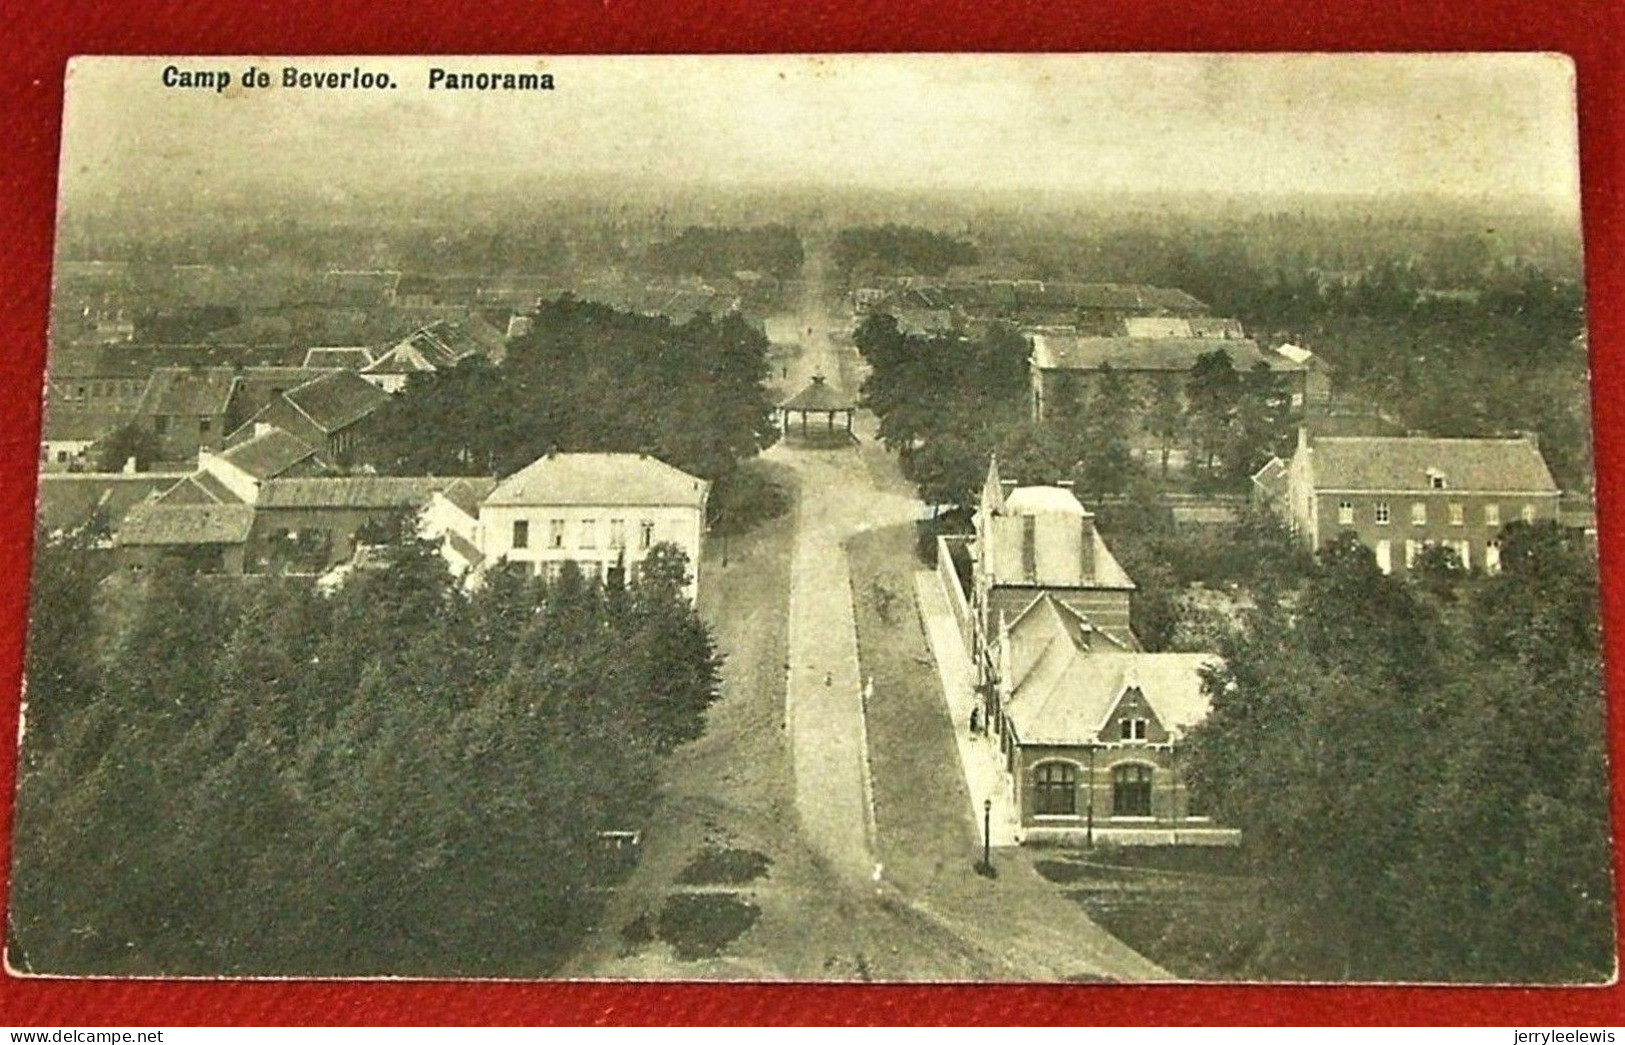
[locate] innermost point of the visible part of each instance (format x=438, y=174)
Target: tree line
x=1419, y=767
x=587, y=378
x=901, y=250
x=719, y=252
x=397, y=777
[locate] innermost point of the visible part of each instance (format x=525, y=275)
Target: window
x=555, y=533
x=1133, y=728
x=1345, y=513
x=1492, y=557
x=203, y=426
x=1419, y=514
x=1412, y=550
x=1131, y=790
x=521, y=533
x=646, y=535
x=1436, y=480
x=1055, y=789
x=1458, y=515
x=589, y=538
x=1492, y=515
x=1528, y=513
x=1385, y=557
x=1382, y=513
x=617, y=533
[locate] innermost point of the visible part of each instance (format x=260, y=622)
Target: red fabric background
x=38, y=41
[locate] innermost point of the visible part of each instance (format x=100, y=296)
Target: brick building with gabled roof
x=209, y=537
x=1401, y=494
x=1089, y=732
x=186, y=408
x=325, y=412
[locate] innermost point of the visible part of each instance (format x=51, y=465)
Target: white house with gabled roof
x=604, y=512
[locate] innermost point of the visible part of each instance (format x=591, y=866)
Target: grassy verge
x=922, y=810
x=1186, y=908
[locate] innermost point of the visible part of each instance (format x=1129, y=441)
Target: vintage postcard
x=892, y=517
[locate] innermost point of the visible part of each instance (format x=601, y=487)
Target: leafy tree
x=1404, y=767
x=1165, y=417
x=1213, y=390
x=901, y=249
x=700, y=387
x=130, y=441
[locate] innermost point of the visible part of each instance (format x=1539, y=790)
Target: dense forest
x=588, y=378
x=901, y=250
x=719, y=252
x=394, y=778
x=1420, y=768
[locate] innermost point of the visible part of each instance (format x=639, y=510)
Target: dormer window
x=1435, y=479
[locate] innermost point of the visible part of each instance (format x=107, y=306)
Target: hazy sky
x=1457, y=124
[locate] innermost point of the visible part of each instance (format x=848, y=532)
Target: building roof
x=199, y=488
x=1071, y=704
x=173, y=524
x=1078, y=352
x=818, y=396
x=269, y=453
x=1033, y=500
x=80, y=426
x=1064, y=552
x=355, y=491
x=1223, y=327
x=443, y=343
x=1065, y=685
x=467, y=494
x=69, y=499
x=1408, y=463
x=600, y=479
x=336, y=357
x=199, y=391
x=336, y=400
x=1017, y=295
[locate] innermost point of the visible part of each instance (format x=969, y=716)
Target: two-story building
x=604, y=512
x=186, y=408
x=1401, y=494
x=327, y=412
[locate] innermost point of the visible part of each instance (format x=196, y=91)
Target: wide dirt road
x=781, y=769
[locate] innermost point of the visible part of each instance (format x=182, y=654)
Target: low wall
x=1104, y=834
x=948, y=578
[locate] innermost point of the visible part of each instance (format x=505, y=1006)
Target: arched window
x=1131, y=790
x=1055, y=789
